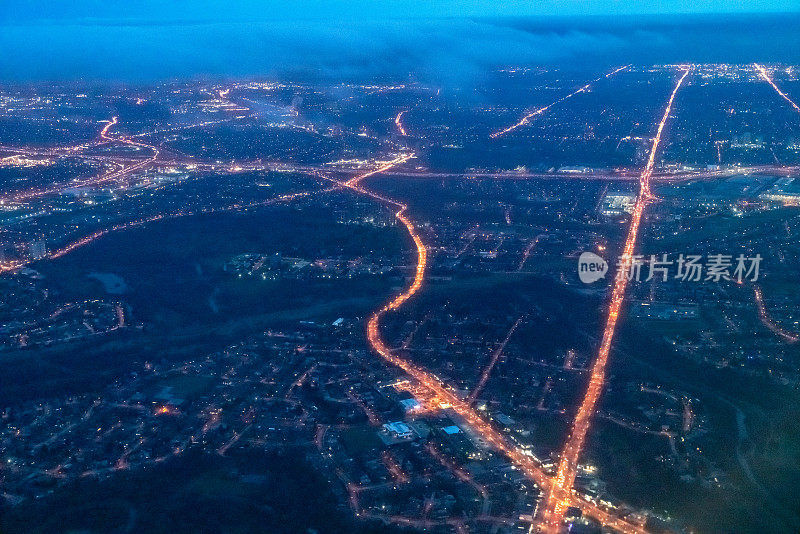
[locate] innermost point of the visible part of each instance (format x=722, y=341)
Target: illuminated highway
x=527, y=117
x=764, y=74
x=103, y=178
x=66, y=249
x=398, y=121
x=487, y=371
x=444, y=394
x=767, y=321
x=353, y=184
x=527, y=252
x=560, y=495
x=402, y=158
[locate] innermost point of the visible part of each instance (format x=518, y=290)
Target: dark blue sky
x=432, y=41
x=154, y=10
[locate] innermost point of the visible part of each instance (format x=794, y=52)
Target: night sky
x=154, y=10
x=440, y=42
